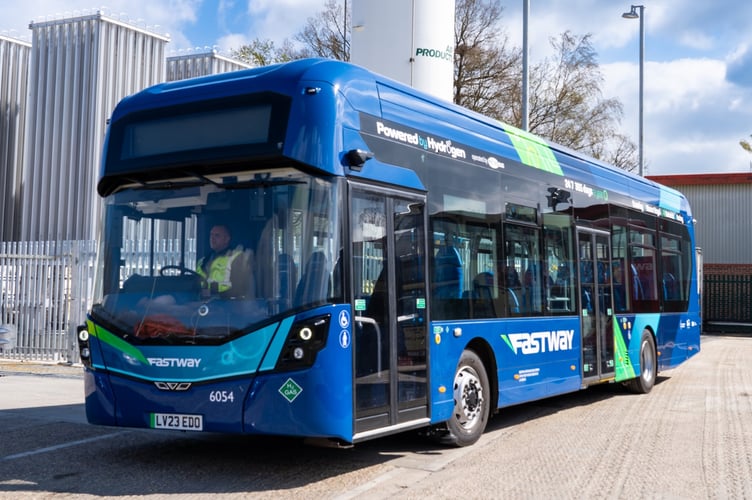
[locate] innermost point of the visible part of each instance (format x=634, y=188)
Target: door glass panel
x=606, y=331
x=411, y=301
x=588, y=306
x=371, y=303
x=596, y=307
x=389, y=303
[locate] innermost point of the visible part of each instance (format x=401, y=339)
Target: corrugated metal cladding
x=724, y=221
x=80, y=68
x=205, y=63
x=14, y=71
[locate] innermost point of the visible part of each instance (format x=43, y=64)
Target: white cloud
x=698, y=72
x=279, y=19
x=693, y=118
x=233, y=41
x=697, y=40
x=682, y=83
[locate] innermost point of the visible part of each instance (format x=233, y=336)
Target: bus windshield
x=205, y=258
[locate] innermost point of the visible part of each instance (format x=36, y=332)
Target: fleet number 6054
x=221, y=396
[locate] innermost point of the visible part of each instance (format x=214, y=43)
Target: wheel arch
x=654, y=335
x=484, y=351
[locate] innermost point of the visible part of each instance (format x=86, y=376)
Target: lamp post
x=525, y=76
x=633, y=14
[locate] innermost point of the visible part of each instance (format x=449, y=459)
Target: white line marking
x=63, y=445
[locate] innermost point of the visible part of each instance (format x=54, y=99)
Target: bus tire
x=648, y=366
x=472, y=398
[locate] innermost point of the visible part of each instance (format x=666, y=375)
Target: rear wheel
x=471, y=401
x=648, y=366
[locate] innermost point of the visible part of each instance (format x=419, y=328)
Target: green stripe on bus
x=533, y=151
x=117, y=343
x=624, y=367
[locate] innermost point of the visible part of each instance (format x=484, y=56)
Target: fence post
x=83, y=262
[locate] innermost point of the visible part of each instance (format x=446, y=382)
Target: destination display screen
x=154, y=142
x=188, y=132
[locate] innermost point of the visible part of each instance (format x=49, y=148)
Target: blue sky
x=698, y=58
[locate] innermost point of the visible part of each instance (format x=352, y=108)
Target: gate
x=46, y=287
x=727, y=298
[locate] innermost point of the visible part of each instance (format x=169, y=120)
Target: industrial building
x=80, y=68
x=200, y=62
x=56, y=96
x=720, y=204
x=14, y=80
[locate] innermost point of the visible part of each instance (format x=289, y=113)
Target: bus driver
x=226, y=270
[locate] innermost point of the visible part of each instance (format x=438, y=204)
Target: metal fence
x=727, y=299
x=46, y=287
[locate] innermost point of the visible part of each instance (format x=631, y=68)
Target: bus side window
x=448, y=272
x=559, y=276
x=523, y=259
x=642, y=254
x=619, y=286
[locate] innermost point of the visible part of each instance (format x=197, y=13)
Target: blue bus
x=407, y=263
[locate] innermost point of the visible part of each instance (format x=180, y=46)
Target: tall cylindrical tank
x=409, y=40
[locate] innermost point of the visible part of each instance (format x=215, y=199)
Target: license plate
x=177, y=421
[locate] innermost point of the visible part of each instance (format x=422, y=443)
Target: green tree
x=263, y=53
x=327, y=34
x=745, y=145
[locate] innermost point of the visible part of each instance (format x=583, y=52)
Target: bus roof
x=376, y=95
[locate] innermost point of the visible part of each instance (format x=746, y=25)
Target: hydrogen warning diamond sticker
x=290, y=390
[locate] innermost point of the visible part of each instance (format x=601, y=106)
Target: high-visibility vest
x=218, y=269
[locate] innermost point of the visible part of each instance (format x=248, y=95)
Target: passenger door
x=388, y=246
x=596, y=308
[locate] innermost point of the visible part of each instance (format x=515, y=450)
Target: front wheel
x=471, y=401
x=648, y=366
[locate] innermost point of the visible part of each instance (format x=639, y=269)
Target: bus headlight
x=305, y=339
x=84, y=349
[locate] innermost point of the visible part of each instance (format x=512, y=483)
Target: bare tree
x=567, y=105
x=486, y=69
x=618, y=151
x=328, y=33
x=566, y=102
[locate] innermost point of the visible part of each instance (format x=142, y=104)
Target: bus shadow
x=515, y=415
x=79, y=458
x=72, y=413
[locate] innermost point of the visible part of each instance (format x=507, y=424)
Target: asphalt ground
x=690, y=438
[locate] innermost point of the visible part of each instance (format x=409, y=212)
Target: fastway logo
x=535, y=342
x=175, y=362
